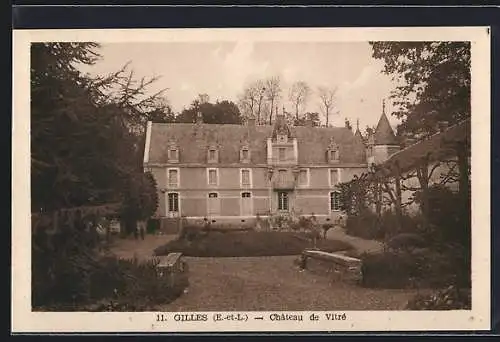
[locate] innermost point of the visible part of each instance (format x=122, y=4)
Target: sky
x=222, y=69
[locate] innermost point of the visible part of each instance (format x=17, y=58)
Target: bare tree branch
x=327, y=99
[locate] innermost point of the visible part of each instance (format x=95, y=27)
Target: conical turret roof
x=384, y=135
x=357, y=134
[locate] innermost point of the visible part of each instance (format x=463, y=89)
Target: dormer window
x=173, y=153
x=213, y=155
x=245, y=154
x=333, y=152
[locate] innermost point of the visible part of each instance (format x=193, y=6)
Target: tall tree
x=272, y=93
x=298, y=95
x=251, y=100
x=83, y=144
x=162, y=113
x=433, y=83
x=327, y=101
x=221, y=112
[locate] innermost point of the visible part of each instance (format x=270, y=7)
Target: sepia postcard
x=251, y=180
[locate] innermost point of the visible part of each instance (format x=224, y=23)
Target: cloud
x=185, y=86
x=364, y=78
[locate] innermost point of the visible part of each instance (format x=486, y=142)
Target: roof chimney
x=199, y=117
x=251, y=124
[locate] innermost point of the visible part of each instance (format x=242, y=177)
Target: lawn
x=274, y=284
x=248, y=244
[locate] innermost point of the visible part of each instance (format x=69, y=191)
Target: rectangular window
x=334, y=155
x=335, y=201
x=212, y=176
x=334, y=177
x=246, y=195
x=212, y=155
x=173, y=154
x=244, y=154
x=245, y=177
x=173, y=202
x=282, y=176
x=282, y=200
x=281, y=153
x=213, y=204
x=173, y=177
x=303, y=179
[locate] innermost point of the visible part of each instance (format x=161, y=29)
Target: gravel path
x=266, y=283
x=274, y=283
x=142, y=249
x=362, y=245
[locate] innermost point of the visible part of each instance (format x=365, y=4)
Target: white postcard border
x=24, y=320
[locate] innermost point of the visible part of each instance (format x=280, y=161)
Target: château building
x=235, y=172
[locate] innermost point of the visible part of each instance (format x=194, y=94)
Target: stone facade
x=235, y=172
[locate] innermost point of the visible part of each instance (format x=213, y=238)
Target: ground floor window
x=173, y=202
x=335, y=201
x=282, y=200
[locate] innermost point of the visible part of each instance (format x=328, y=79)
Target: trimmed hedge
x=248, y=244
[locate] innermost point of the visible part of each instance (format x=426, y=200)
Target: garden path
x=273, y=284
x=142, y=249
x=264, y=284
x=360, y=244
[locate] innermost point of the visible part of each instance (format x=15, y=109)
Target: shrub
x=68, y=274
x=153, y=226
x=451, y=298
x=388, y=270
x=191, y=232
x=120, y=285
x=364, y=225
x=406, y=241
x=252, y=243
x=449, y=220
x=421, y=267
x=368, y=225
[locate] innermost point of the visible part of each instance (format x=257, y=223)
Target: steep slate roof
x=384, y=135
x=193, y=141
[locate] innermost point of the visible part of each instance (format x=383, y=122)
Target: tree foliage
x=433, y=83
x=86, y=133
x=309, y=118
x=223, y=112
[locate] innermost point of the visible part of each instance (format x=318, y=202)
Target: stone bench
x=343, y=266
x=173, y=269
